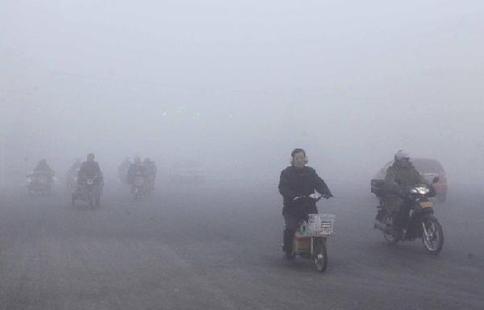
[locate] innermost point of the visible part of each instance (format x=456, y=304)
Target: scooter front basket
x=321, y=224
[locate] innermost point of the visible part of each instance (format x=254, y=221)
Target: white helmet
x=401, y=154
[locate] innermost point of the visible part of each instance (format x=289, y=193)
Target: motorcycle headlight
x=421, y=190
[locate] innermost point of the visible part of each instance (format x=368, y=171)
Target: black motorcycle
x=421, y=223
x=90, y=191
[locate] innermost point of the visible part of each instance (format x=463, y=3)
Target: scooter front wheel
x=320, y=254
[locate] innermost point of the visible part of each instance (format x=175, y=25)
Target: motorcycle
x=421, y=223
x=39, y=184
x=89, y=191
x=310, y=240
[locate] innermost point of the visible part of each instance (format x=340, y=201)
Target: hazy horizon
x=236, y=86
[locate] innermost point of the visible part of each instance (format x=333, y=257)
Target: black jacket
x=44, y=168
x=300, y=182
x=89, y=170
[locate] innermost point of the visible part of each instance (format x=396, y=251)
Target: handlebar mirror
x=436, y=180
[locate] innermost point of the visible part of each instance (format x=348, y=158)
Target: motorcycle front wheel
x=391, y=234
x=432, y=235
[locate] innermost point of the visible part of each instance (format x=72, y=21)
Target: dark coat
x=398, y=179
x=89, y=170
x=300, y=182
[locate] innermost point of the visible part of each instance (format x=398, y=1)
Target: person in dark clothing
x=89, y=169
x=296, y=181
x=86, y=190
x=44, y=168
x=399, y=178
x=41, y=179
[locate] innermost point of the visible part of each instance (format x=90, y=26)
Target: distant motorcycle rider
x=89, y=169
x=41, y=179
x=44, y=168
x=296, y=181
x=400, y=177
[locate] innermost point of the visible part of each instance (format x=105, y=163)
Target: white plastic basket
x=320, y=224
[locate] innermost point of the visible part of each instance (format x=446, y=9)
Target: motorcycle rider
x=41, y=179
x=400, y=177
x=296, y=181
x=44, y=168
x=89, y=169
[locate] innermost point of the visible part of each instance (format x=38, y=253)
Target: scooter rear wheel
x=320, y=254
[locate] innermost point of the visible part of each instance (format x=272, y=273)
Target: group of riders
x=299, y=181
x=138, y=174
x=82, y=176
x=296, y=182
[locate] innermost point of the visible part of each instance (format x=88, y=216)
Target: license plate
x=427, y=204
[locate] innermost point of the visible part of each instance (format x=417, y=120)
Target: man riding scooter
x=297, y=181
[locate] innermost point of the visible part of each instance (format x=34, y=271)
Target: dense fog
x=218, y=93
x=235, y=86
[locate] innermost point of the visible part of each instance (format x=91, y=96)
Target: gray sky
x=242, y=83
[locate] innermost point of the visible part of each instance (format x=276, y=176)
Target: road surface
x=218, y=247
